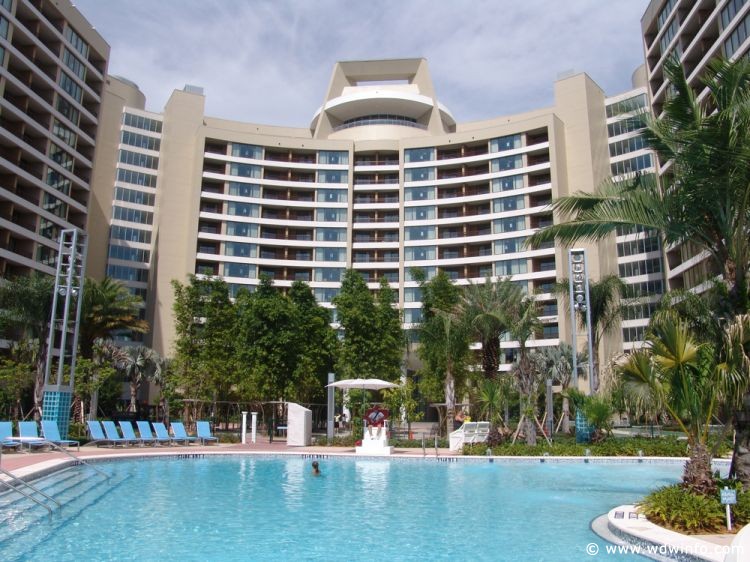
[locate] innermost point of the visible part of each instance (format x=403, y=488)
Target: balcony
x=290, y=157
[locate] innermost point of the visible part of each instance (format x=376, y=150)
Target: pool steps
x=24, y=524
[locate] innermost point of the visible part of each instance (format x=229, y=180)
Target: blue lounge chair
x=178, y=429
x=29, y=435
x=113, y=435
x=97, y=434
x=144, y=428
x=129, y=433
x=52, y=434
x=204, y=433
x=161, y=433
x=6, y=432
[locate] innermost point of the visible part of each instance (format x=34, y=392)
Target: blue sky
x=269, y=61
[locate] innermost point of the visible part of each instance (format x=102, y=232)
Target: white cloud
x=270, y=61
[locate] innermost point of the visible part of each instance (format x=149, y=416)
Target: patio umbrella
x=363, y=384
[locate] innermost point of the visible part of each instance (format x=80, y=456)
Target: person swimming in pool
x=315, y=468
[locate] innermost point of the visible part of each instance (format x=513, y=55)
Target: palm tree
x=483, y=307
x=605, y=310
x=107, y=306
x=523, y=322
x=682, y=376
x=445, y=348
x=25, y=309
x=142, y=364
x=558, y=363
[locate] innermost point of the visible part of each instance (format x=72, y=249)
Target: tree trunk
x=697, y=475
x=530, y=425
x=566, y=415
x=133, y=397
x=740, y=468
x=450, y=402
x=39, y=388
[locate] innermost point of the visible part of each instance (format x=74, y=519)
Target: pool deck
x=622, y=525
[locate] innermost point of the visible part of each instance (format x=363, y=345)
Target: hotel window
x=330, y=254
x=511, y=267
x=328, y=274
x=125, y=273
x=510, y=245
x=244, y=189
x=78, y=43
x=333, y=157
x=737, y=37
x=61, y=157
x=420, y=232
x=138, y=159
x=247, y=151
x=628, y=105
x=429, y=272
x=130, y=234
x=332, y=176
x=419, y=193
x=510, y=224
x=419, y=154
x=3, y=28
x=72, y=62
x=419, y=174
x=239, y=250
x=507, y=184
x=628, y=125
x=325, y=294
x=505, y=143
x=507, y=163
x=330, y=235
x=237, y=209
x=631, y=165
x=129, y=254
x=420, y=253
x=64, y=133
x=412, y=294
x=55, y=206
x=244, y=170
x=68, y=110
x=140, y=122
x=132, y=215
x=627, y=145
x=136, y=178
x=412, y=315
x=332, y=196
x=71, y=87
x=140, y=141
x=331, y=215
x=509, y=204
x=134, y=196
x=48, y=229
x=242, y=229
x=642, y=267
x=642, y=246
x=419, y=213
x=239, y=270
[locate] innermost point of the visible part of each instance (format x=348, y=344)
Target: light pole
x=579, y=300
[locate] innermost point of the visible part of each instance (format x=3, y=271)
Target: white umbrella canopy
x=363, y=384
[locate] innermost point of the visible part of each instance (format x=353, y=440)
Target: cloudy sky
x=269, y=61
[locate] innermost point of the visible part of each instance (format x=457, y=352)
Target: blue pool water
x=246, y=508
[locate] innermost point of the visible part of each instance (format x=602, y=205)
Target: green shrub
x=565, y=446
x=677, y=508
x=228, y=437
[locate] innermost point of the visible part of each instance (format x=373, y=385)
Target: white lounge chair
x=464, y=434
x=483, y=430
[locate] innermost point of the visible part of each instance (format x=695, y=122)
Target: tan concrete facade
x=382, y=181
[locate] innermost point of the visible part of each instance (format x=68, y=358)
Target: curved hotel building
x=383, y=180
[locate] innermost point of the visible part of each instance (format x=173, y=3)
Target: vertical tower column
x=59, y=370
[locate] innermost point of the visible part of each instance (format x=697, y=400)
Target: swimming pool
x=250, y=508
